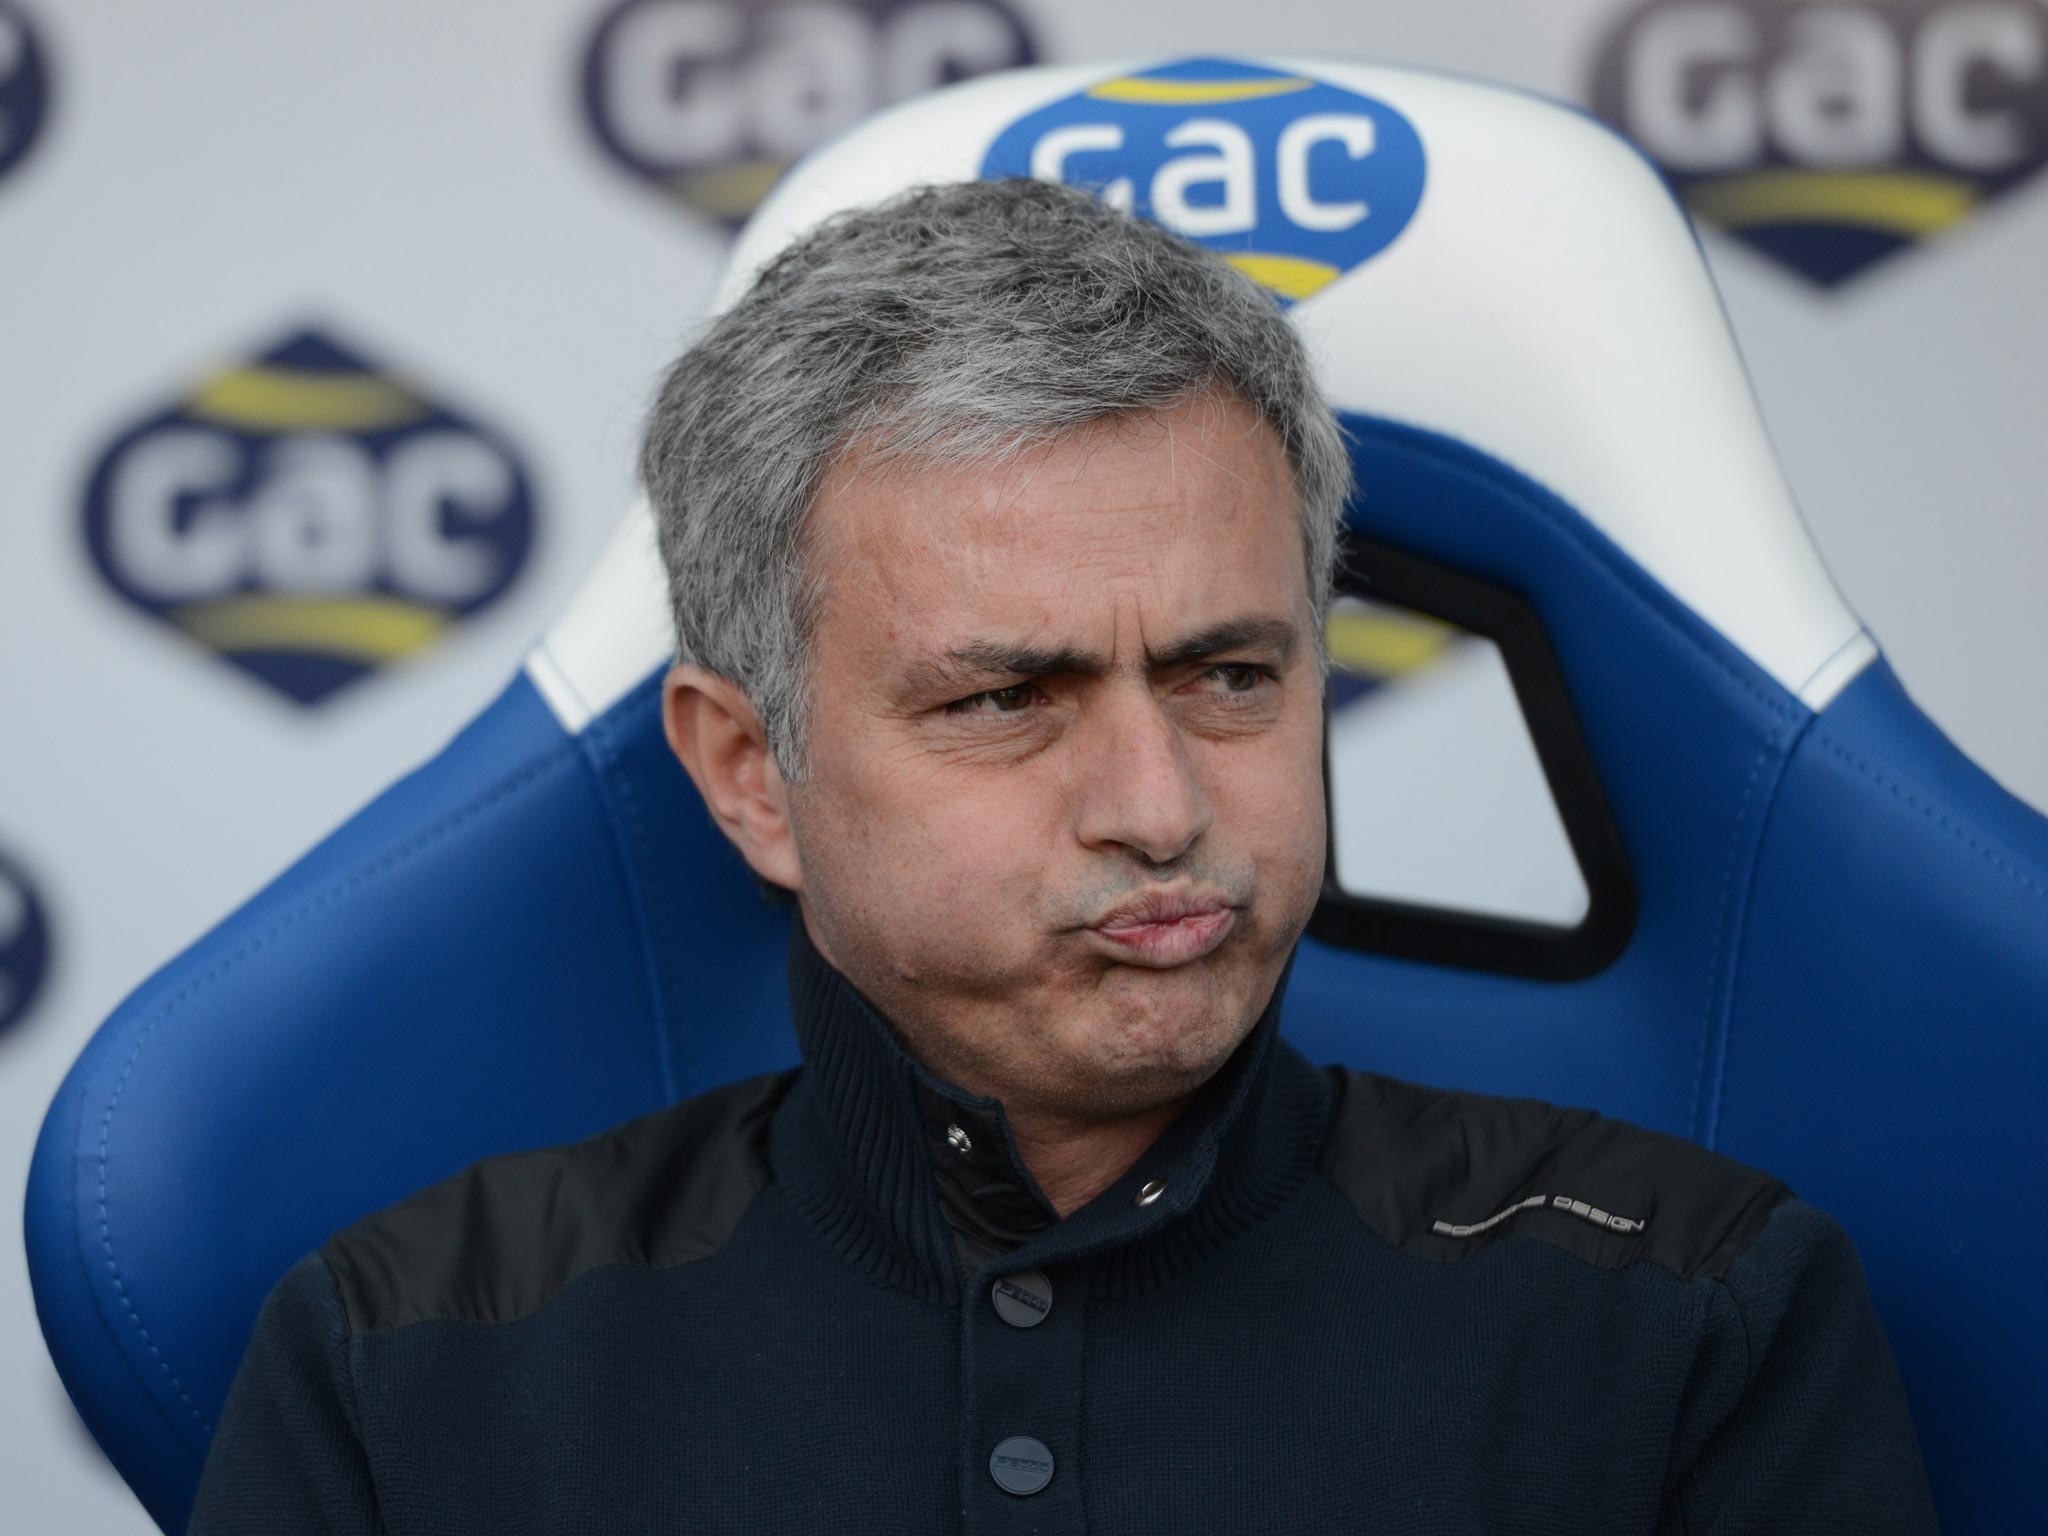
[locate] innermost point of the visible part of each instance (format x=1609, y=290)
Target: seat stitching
x=1962, y=834
x=1581, y=535
x=641, y=868
x=362, y=876
x=1721, y=911
x=1712, y=1110
x=1630, y=579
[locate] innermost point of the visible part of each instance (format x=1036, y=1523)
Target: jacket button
x=1021, y=1465
x=1153, y=1189
x=1022, y=1300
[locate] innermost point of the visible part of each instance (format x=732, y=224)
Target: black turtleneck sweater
x=833, y=1300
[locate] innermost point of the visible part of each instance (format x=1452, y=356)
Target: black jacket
x=833, y=1300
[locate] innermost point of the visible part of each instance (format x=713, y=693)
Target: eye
x=1239, y=676
x=1007, y=701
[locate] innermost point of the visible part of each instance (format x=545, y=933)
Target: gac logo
x=24, y=86
x=308, y=517
x=1296, y=179
x=711, y=100
x=24, y=944
x=1829, y=134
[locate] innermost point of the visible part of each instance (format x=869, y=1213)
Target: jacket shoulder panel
x=1443, y=1174
x=492, y=1243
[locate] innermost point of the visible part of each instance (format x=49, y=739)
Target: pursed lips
x=1166, y=928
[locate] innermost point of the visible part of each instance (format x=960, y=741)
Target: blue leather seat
x=1836, y=967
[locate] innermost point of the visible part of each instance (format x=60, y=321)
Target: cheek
x=902, y=839
x=1273, y=804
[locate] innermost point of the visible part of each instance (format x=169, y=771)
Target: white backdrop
x=433, y=189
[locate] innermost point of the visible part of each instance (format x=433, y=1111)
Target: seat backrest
x=1822, y=926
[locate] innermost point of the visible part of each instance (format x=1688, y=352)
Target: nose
x=1139, y=789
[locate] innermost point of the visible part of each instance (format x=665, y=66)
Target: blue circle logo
x=1296, y=180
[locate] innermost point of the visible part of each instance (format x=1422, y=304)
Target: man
x=1000, y=529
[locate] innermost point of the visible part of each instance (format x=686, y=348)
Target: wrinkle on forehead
x=915, y=542
x=994, y=486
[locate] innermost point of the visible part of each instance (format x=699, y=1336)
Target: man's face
x=1044, y=694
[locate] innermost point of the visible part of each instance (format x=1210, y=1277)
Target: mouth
x=1160, y=930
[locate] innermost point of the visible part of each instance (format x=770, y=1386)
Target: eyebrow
x=973, y=661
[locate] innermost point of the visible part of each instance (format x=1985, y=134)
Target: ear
x=716, y=734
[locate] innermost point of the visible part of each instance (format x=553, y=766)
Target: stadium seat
x=1814, y=936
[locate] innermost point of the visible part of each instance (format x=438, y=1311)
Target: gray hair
x=953, y=323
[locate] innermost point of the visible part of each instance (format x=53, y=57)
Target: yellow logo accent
x=366, y=629
x=1899, y=202
x=289, y=400
x=728, y=191
x=1193, y=93
x=1292, y=277
x=1385, y=642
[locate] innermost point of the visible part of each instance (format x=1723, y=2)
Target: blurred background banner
x=1831, y=137
x=308, y=516
x=325, y=333
x=708, y=102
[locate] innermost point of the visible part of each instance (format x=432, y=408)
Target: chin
x=1126, y=1086
x=1158, y=1051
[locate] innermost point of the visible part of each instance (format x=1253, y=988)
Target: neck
x=1072, y=1159
x=1075, y=1162
x=930, y=1179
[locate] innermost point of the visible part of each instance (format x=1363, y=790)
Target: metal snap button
x=958, y=1139
x=1153, y=1189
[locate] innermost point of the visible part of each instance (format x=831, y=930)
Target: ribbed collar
x=914, y=1180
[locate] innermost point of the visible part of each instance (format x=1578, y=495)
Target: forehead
x=1181, y=516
